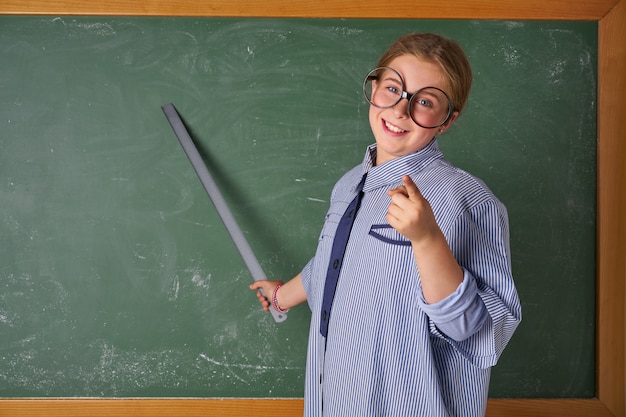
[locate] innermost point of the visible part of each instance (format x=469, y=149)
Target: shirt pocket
x=330, y=226
x=387, y=234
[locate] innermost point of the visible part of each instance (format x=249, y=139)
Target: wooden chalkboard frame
x=611, y=223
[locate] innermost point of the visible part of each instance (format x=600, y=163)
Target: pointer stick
x=218, y=200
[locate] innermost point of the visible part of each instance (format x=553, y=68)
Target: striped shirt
x=388, y=352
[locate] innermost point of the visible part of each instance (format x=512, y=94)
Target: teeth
x=393, y=128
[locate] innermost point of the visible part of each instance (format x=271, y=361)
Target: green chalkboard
x=117, y=278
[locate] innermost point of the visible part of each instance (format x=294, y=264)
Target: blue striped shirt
x=388, y=352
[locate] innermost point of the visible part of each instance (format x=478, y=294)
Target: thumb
x=265, y=285
x=259, y=285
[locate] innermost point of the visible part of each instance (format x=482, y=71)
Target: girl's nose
x=401, y=109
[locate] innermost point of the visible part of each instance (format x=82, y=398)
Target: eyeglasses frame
x=405, y=94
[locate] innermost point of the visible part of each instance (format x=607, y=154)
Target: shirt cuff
x=462, y=313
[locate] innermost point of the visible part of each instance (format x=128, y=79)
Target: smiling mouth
x=393, y=128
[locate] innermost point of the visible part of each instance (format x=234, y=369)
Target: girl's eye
x=392, y=86
x=424, y=102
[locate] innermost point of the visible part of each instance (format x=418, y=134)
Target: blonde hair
x=445, y=52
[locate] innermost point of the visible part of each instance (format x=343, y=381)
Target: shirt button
x=335, y=263
x=324, y=315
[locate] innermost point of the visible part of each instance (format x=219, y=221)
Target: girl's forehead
x=418, y=73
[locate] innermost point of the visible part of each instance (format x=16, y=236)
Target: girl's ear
x=449, y=123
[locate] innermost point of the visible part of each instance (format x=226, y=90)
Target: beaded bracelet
x=275, y=302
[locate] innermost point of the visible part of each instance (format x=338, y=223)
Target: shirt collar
x=392, y=171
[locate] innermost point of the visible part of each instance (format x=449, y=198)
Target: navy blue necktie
x=336, y=256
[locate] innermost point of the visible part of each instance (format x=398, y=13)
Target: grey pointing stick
x=216, y=197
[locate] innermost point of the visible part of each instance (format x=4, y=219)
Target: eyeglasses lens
x=429, y=107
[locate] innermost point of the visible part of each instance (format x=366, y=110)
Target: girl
x=411, y=312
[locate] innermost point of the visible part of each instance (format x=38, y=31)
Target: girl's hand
x=268, y=288
x=410, y=213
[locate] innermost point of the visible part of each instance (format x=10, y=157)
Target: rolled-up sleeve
x=461, y=314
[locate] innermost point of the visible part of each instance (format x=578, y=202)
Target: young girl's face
x=395, y=132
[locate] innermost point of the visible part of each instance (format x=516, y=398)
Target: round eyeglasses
x=429, y=107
